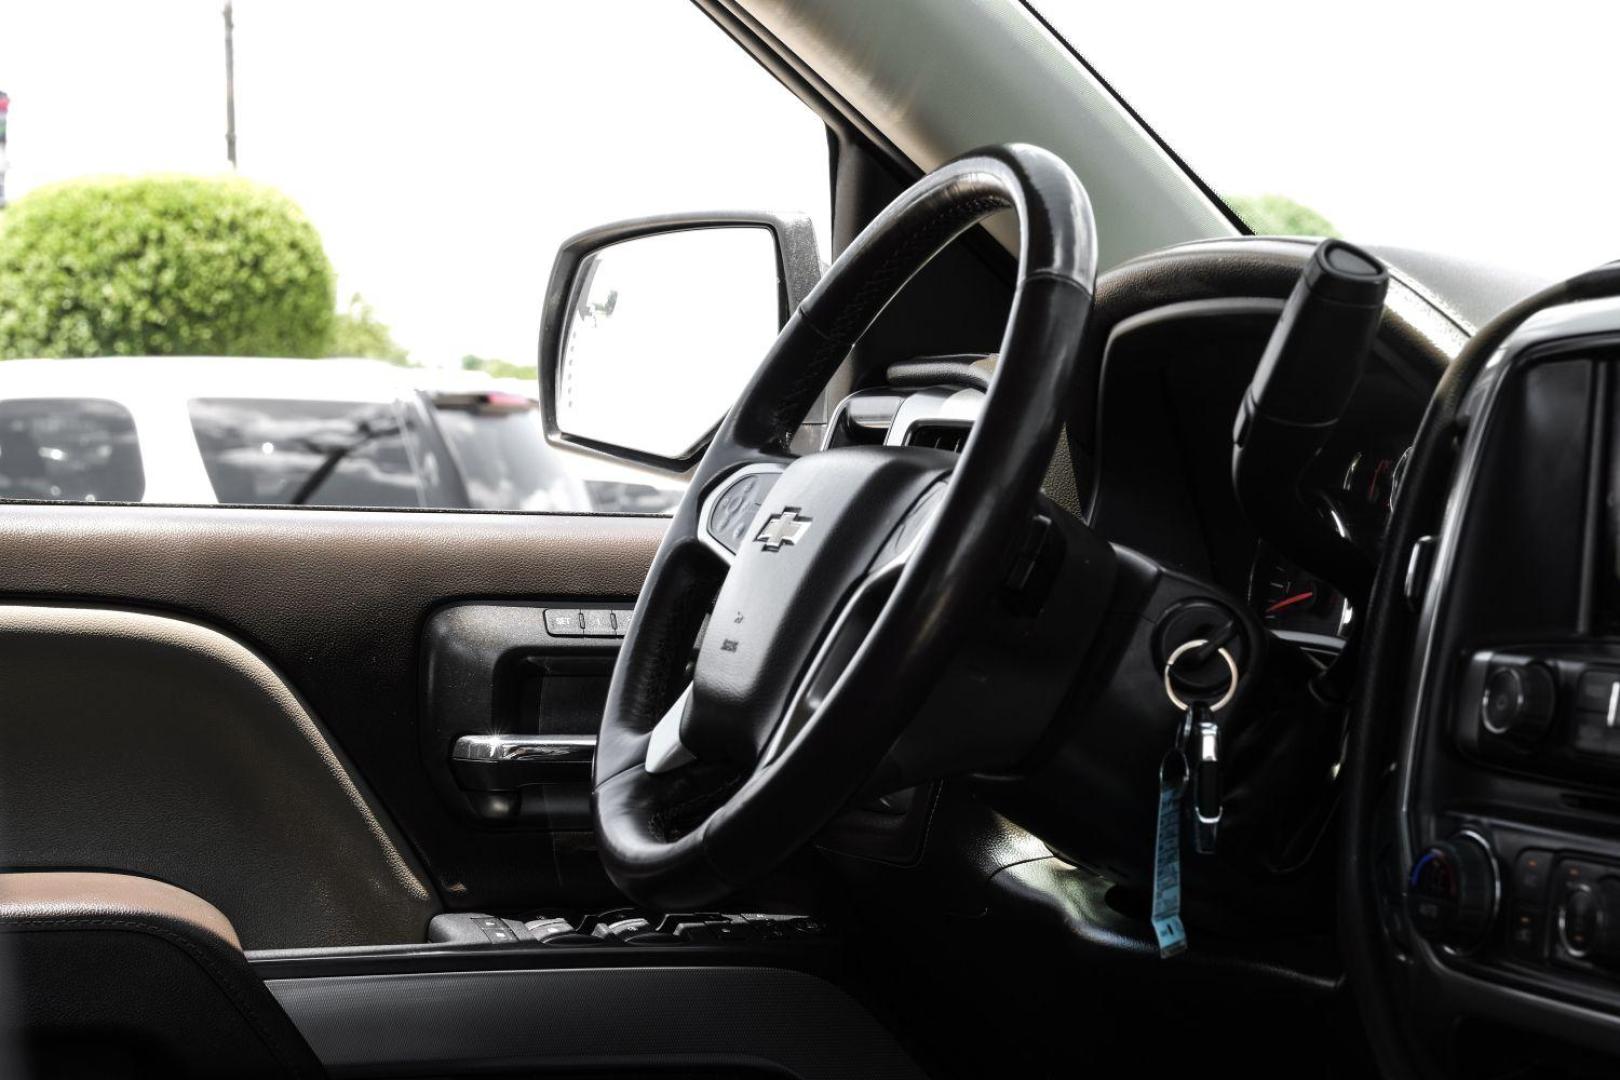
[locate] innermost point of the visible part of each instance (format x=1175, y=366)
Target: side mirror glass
x=652, y=328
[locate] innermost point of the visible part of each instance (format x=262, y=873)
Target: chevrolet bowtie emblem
x=781, y=529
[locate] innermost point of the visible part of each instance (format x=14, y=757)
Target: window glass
x=74, y=449
x=395, y=183
x=305, y=453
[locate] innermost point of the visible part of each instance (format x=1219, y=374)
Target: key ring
x=1231, y=666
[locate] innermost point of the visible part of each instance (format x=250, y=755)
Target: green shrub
x=1278, y=215
x=162, y=266
x=358, y=332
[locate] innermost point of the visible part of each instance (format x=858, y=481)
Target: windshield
x=1438, y=126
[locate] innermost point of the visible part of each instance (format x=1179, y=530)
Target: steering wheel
x=839, y=580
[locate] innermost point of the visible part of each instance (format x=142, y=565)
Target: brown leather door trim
x=334, y=601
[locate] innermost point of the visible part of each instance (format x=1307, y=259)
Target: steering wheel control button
x=1452, y=891
x=565, y=622
x=1518, y=703
x=735, y=505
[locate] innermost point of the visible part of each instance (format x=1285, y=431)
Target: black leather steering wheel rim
x=693, y=834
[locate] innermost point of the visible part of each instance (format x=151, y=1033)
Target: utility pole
x=230, y=87
x=5, y=107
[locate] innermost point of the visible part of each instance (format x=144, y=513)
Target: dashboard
x=1171, y=383
x=1495, y=827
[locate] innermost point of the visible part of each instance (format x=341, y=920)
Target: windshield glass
x=1439, y=126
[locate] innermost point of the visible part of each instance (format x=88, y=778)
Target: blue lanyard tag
x=1167, y=856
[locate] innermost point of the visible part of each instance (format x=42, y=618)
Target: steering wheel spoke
x=854, y=622
x=665, y=750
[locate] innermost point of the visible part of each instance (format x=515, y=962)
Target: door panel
x=336, y=602
x=131, y=741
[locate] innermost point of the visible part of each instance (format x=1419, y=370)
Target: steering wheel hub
x=817, y=536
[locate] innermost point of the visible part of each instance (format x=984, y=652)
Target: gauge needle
x=1289, y=601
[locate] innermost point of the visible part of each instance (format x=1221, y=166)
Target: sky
x=1478, y=128
x=445, y=150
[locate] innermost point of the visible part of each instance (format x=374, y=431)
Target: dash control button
x=1597, y=691
x=565, y=622
x=1525, y=933
x=599, y=623
x=1531, y=872
x=1596, y=728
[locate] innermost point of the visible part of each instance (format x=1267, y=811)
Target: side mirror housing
x=652, y=327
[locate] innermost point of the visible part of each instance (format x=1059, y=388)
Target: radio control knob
x=1452, y=890
x=1518, y=703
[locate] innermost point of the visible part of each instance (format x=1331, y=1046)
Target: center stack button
x=1597, y=712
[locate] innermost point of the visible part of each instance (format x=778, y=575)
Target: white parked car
x=295, y=432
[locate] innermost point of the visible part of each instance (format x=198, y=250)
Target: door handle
x=526, y=778
x=522, y=759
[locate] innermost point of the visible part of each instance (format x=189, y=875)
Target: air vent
x=939, y=435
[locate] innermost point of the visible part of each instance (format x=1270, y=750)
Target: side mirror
x=653, y=327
